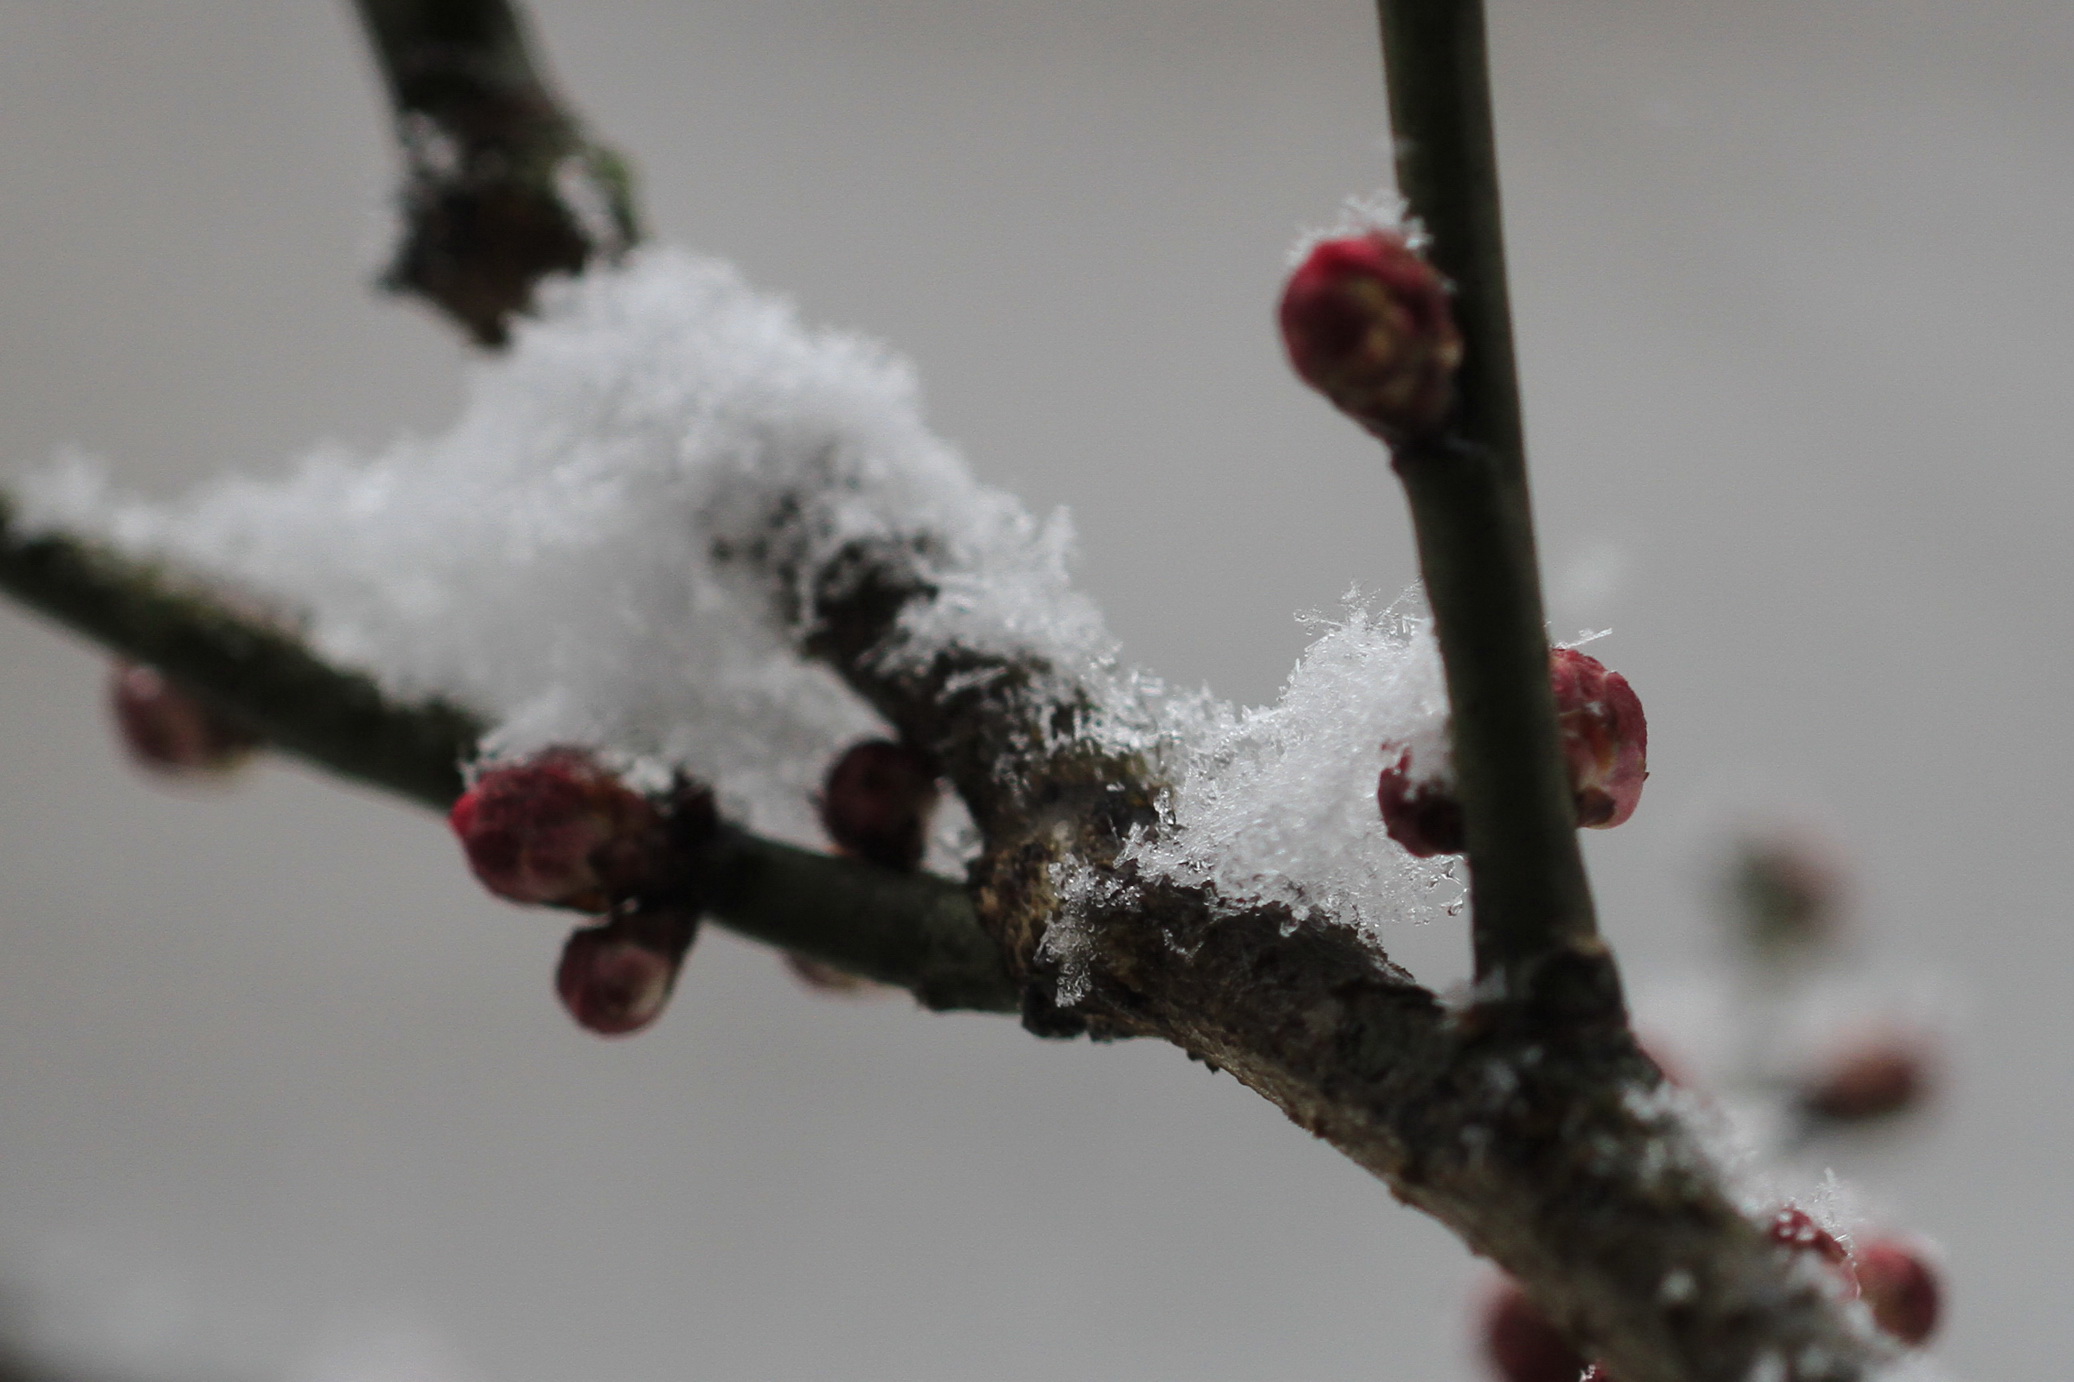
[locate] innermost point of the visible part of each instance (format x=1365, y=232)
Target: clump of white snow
x=597, y=551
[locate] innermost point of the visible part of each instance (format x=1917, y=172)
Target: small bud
x=1900, y=1288
x=1882, y=1077
x=1792, y=1227
x=1368, y=324
x=826, y=978
x=1521, y=1344
x=1785, y=889
x=1605, y=744
x=1605, y=737
x=558, y=829
x=1596, y=1373
x=877, y=802
x=1420, y=814
x=166, y=730
x=616, y=979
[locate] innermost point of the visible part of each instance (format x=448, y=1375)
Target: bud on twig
x=1901, y=1290
x=877, y=801
x=166, y=730
x=559, y=829
x=616, y=979
x=1368, y=324
x=1794, y=1228
x=1786, y=890
x=1521, y=1344
x=1878, y=1079
x=1605, y=742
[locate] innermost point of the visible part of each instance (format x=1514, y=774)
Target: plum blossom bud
x=1785, y=889
x=1605, y=737
x=1901, y=1290
x=166, y=730
x=1520, y=1342
x=1794, y=1228
x=1368, y=324
x=558, y=829
x=1877, y=1079
x=1605, y=744
x=616, y=979
x=877, y=801
x=1419, y=813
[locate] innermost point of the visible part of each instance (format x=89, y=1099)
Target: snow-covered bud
x=1419, y=813
x=1521, y=1344
x=876, y=803
x=1605, y=738
x=1900, y=1288
x=166, y=730
x=1794, y=1228
x=616, y=979
x=558, y=829
x=1882, y=1077
x=1595, y=1373
x=1367, y=323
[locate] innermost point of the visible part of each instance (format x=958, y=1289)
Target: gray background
x=282, y=1095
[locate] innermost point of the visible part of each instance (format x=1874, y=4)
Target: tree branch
x=503, y=186
x=1471, y=510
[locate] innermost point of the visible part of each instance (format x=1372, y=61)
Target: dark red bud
x=1367, y=323
x=1792, y=1227
x=1420, y=814
x=1875, y=1080
x=167, y=730
x=1787, y=889
x=876, y=803
x=1520, y=1342
x=1901, y=1289
x=1605, y=737
x=616, y=979
x=558, y=829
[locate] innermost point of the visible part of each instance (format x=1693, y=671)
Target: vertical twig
x=503, y=185
x=1470, y=507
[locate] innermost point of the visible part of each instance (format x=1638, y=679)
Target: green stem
x=1473, y=517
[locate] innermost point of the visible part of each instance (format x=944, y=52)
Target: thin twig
x=1471, y=510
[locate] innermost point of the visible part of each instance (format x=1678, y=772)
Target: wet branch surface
x=1528, y=1122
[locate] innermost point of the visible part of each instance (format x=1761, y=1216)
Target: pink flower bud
x=1521, y=1344
x=616, y=979
x=1419, y=813
x=1882, y=1077
x=1901, y=1290
x=1792, y=1227
x=877, y=802
x=1368, y=324
x=558, y=829
x=166, y=730
x=1605, y=738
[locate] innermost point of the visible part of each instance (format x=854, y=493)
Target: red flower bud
x=1420, y=814
x=1521, y=1344
x=166, y=730
x=1883, y=1077
x=1368, y=324
x=558, y=829
x=616, y=979
x=1792, y=1227
x=1901, y=1290
x=877, y=802
x=1786, y=888
x=1605, y=738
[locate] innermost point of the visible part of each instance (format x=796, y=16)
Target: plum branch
x=1529, y=1122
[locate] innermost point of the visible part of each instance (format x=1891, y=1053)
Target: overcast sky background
x=283, y=1096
